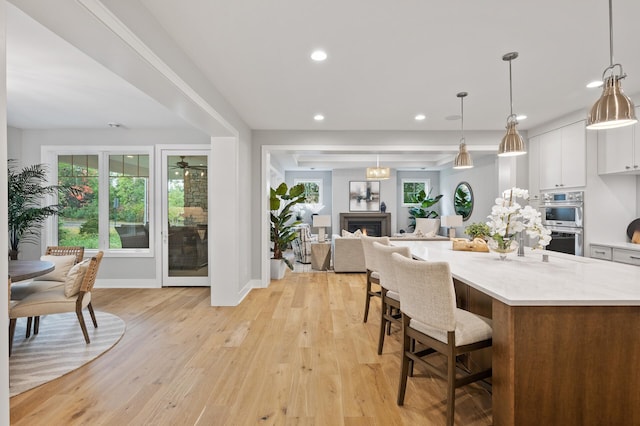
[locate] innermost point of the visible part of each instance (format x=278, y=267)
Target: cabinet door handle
x=635, y=257
x=599, y=251
x=627, y=167
x=635, y=166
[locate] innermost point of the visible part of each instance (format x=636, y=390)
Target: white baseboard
x=127, y=283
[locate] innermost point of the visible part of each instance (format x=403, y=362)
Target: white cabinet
x=619, y=150
x=621, y=253
x=601, y=252
x=563, y=157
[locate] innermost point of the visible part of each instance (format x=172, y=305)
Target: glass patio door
x=185, y=206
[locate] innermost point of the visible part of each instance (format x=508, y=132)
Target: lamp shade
x=613, y=109
x=512, y=143
x=321, y=220
x=378, y=173
x=451, y=221
x=463, y=159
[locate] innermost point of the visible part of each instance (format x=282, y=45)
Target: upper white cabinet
x=563, y=157
x=619, y=150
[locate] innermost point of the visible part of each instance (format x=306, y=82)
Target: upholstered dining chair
x=64, y=257
x=372, y=269
x=390, y=305
x=430, y=317
x=74, y=296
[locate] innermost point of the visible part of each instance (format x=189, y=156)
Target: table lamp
x=320, y=222
x=451, y=222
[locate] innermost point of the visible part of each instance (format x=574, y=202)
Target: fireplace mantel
x=384, y=219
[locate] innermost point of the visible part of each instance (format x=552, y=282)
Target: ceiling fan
x=185, y=166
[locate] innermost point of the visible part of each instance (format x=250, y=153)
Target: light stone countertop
x=565, y=280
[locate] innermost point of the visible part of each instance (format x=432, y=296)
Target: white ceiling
x=388, y=60
x=52, y=85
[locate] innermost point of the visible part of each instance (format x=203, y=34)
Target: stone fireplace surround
x=375, y=223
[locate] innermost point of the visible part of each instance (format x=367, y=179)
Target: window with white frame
x=111, y=209
x=312, y=190
x=411, y=188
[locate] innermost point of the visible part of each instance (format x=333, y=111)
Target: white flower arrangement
x=508, y=217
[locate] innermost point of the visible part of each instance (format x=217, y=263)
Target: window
x=78, y=218
x=312, y=190
x=111, y=210
x=411, y=188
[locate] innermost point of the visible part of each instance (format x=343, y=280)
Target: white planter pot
x=277, y=269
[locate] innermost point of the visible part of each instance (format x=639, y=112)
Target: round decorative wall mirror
x=463, y=200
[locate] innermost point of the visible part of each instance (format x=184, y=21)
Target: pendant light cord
x=511, y=90
x=612, y=65
x=462, y=116
x=611, y=33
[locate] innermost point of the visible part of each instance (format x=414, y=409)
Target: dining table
x=20, y=270
x=565, y=333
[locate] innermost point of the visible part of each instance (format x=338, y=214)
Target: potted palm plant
x=28, y=191
x=283, y=224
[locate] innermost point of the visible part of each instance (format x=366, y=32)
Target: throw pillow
x=356, y=234
x=74, y=278
x=62, y=266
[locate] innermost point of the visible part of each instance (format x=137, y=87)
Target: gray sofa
x=348, y=255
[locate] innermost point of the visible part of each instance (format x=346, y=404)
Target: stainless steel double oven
x=562, y=214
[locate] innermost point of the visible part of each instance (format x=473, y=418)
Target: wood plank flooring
x=296, y=353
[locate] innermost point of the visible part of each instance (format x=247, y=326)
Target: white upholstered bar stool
x=372, y=270
x=389, y=287
x=430, y=317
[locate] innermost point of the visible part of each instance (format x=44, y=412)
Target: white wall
x=483, y=179
x=341, y=179
x=327, y=190
x=4, y=230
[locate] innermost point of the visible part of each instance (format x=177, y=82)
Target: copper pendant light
x=512, y=143
x=463, y=159
x=614, y=108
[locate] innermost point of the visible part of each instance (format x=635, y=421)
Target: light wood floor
x=294, y=353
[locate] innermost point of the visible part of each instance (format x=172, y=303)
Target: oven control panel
x=562, y=197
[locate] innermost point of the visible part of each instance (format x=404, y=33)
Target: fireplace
x=375, y=224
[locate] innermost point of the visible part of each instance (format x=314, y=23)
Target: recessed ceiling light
x=319, y=55
x=420, y=117
x=521, y=117
x=594, y=83
x=318, y=117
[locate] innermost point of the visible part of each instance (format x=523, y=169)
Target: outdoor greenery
x=283, y=231
x=78, y=220
x=425, y=202
x=462, y=201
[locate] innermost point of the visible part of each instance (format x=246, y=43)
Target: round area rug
x=58, y=348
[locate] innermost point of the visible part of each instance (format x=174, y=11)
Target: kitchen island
x=566, y=334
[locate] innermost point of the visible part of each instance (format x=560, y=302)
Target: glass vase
x=504, y=247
